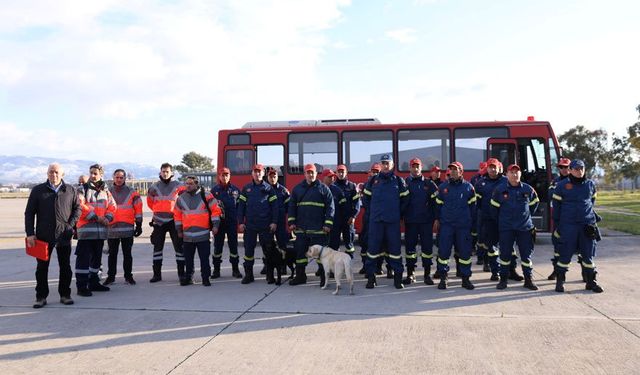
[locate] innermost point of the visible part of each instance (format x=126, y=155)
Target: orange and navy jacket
x=161, y=199
x=192, y=217
x=95, y=203
x=129, y=211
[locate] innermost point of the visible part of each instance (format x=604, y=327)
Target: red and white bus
x=358, y=143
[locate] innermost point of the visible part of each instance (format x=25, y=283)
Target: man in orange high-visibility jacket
x=196, y=215
x=121, y=229
x=98, y=209
x=161, y=199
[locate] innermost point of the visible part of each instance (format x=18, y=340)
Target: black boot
x=397, y=280
x=215, y=273
x=95, y=286
x=371, y=281
x=494, y=277
x=503, y=282
x=583, y=272
x=235, y=271
x=427, y=277
x=180, y=266
x=466, y=283
x=379, y=263
x=157, y=274
x=411, y=278
x=389, y=272
x=320, y=271
x=553, y=274
x=513, y=273
x=436, y=275
x=248, y=275
x=528, y=282
x=301, y=276
x=485, y=264
x=560, y=277
x=263, y=271
x=592, y=285
x=458, y=272
x=443, y=281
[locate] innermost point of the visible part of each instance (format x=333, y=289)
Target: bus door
x=503, y=149
x=272, y=155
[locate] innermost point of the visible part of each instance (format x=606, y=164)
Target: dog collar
x=321, y=250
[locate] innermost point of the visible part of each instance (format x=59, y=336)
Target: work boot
x=592, y=285
x=389, y=272
x=494, y=276
x=84, y=292
x=95, y=286
x=157, y=274
x=427, y=277
x=560, y=278
x=109, y=280
x=235, y=271
x=129, y=280
x=215, y=272
x=411, y=278
x=248, y=275
x=503, y=282
x=528, y=282
x=40, y=303
x=466, y=283
x=436, y=275
x=362, y=271
x=552, y=275
x=206, y=282
x=66, y=300
x=513, y=273
x=300, y=277
x=583, y=272
x=180, y=267
x=186, y=281
x=443, y=281
x=263, y=271
x=371, y=281
x=320, y=272
x=397, y=280
x=379, y=263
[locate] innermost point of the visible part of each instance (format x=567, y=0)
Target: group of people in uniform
x=489, y=214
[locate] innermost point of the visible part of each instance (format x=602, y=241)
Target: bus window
x=553, y=157
x=239, y=139
x=239, y=161
x=320, y=149
x=431, y=146
x=271, y=156
x=471, y=145
x=361, y=149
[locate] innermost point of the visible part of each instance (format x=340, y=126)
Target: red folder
x=40, y=250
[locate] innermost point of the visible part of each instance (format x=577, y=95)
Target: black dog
x=277, y=260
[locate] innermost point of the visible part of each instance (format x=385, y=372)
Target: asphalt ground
x=231, y=328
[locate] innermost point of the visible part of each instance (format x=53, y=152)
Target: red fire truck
x=357, y=143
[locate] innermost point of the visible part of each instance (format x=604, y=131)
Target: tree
x=588, y=145
x=193, y=162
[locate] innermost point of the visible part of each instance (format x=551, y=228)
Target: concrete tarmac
x=231, y=328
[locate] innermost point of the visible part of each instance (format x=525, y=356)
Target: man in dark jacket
x=55, y=204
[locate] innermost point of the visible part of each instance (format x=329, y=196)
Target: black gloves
x=138, y=231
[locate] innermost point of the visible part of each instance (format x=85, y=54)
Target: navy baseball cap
x=386, y=157
x=576, y=164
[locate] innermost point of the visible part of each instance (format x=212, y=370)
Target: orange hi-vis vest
x=192, y=217
x=128, y=213
x=161, y=199
x=94, y=204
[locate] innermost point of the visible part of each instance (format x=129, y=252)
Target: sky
x=148, y=81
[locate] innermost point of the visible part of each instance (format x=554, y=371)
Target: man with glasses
x=311, y=211
x=257, y=217
x=126, y=224
x=573, y=202
x=387, y=197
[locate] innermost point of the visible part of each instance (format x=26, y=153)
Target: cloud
x=404, y=35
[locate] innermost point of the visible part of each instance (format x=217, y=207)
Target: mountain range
x=31, y=169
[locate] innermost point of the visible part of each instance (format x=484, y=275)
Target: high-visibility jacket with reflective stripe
x=513, y=206
x=573, y=201
x=98, y=203
x=484, y=190
x=340, y=205
x=422, y=200
x=311, y=207
x=283, y=201
x=161, y=199
x=351, y=194
x=387, y=197
x=456, y=203
x=192, y=217
x=257, y=206
x=128, y=212
x=228, y=195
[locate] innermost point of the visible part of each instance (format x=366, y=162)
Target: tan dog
x=332, y=260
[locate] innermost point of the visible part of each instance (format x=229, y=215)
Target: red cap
x=457, y=165
x=310, y=167
x=258, y=167
x=492, y=161
x=341, y=166
x=376, y=166
x=327, y=173
x=224, y=170
x=272, y=171
x=513, y=166
x=482, y=165
x=435, y=168
x=415, y=161
x=563, y=162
